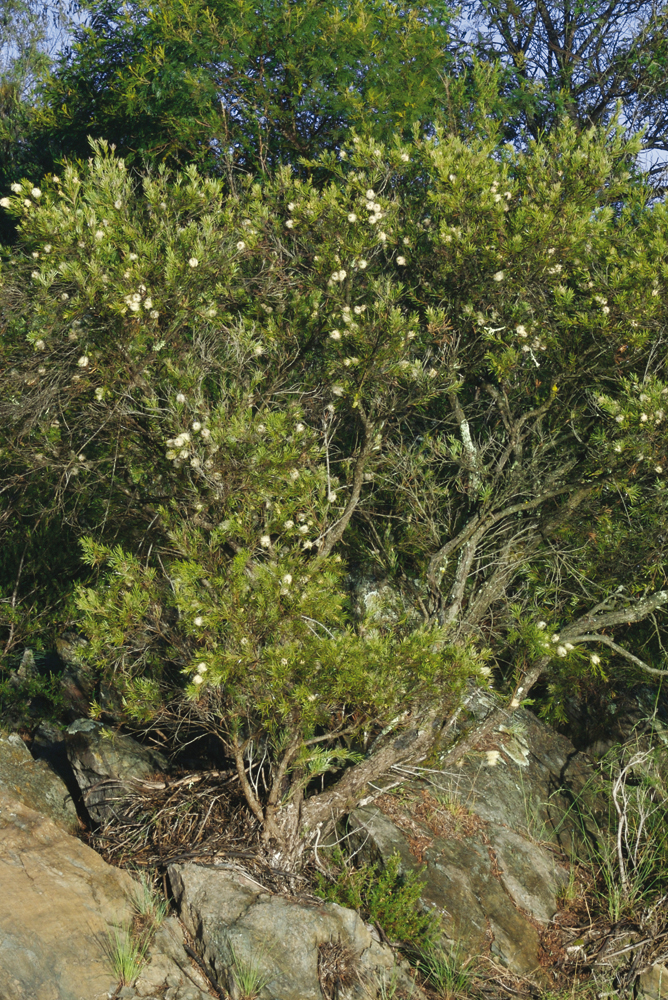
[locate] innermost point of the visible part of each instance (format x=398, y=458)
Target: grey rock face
x=654, y=983
x=492, y=834
x=34, y=782
x=237, y=924
x=105, y=764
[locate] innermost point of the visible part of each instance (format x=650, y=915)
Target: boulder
x=653, y=984
x=106, y=764
x=58, y=904
x=61, y=906
x=239, y=926
x=491, y=836
x=35, y=783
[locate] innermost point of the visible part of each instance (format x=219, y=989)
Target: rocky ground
x=497, y=841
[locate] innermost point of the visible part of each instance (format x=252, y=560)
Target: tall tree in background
x=247, y=84
x=580, y=58
x=29, y=33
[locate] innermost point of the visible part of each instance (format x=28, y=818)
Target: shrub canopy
x=440, y=360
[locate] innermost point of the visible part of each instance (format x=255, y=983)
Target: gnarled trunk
x=294, y=828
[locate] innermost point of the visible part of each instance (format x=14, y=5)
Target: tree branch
x=623, y=616
x=335, y=533
x=622, y=652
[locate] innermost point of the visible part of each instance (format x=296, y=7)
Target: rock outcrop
x=58, y=904
x=61, y=904
x=492, y=835
x=106, y=763
x=291, y=946
x=34, y=783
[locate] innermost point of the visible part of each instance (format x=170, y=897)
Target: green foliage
x=434, y=358
x=22, y=699
x=244, y=84
x=383, y=894
x=248, y=977
x=126, y=954
x=150, y=908
x=26, y=34
x=446, y=971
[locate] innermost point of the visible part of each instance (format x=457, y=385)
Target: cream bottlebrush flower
x=196, y=425
x=289, y=524
x=499, y=276
x=294, y=474
x=39, y=345
x=265, y=541
x=335, y=335
x=300, y=428
x=202, y=668
x=5, y=202
x=492, y=757
x=362, y=264
x=193, y=262
x=562, y=651
x=337, y=390
x=287, y=579
x=180, y=398
x=83, y=361
x=16, y=188
x=405, y=158
x=521, y=330
x=241, y=245
x=595, y=659
x=154, y=313
x=352, y=217
x=199, y=621
x=401, y=261
x=370, y=195
x=36, y=193
x=290, y=224
x=99, y=234
x=197, y=679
